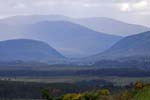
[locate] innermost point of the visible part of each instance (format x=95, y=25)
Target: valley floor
x=117, y=81
x=25, y=84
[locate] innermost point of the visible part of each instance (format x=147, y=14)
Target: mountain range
x=129, y=49
x=70, y=39
x=70, y=36
x=99, y=24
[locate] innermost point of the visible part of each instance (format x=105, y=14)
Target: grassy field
x=143, y=94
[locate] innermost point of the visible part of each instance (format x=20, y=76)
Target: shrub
x=72, y=97
x=104, y=92
x=45, y=94
x=90, y=96
x=138, y=85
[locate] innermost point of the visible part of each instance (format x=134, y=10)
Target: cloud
x=117, y=9
x=142, y=5
x=125, y=7
x=19, y=6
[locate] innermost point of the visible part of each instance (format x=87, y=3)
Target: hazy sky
x=133, y=11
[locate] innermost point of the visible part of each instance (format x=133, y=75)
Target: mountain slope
x=27, y=50
x=131, y=46
x=71, y=39
x=112, y=26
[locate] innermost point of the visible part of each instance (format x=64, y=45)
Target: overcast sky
x=133, y=11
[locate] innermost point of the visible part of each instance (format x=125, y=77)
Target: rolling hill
x=28, y=50
x=131, y=46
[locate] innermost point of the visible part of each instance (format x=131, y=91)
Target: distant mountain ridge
x=31, y=19
x=111, y=26
x=99, y=24
x=28, y=50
